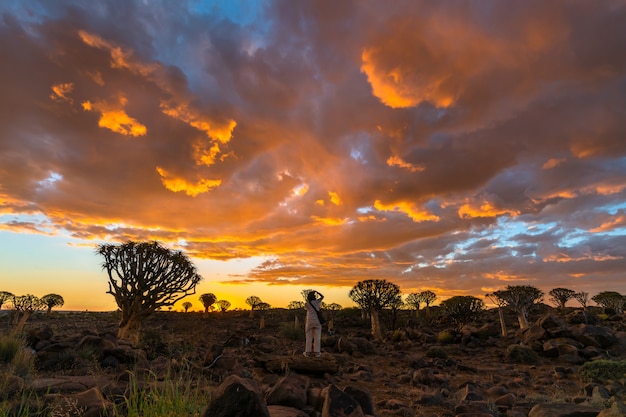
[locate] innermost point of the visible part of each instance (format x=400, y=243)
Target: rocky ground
x=425, y=367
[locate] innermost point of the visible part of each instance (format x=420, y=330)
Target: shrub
x=521, y=354
x=290, y=332
x=602, y=370
x=436, y=352
x=445, y=337
x=18, y=358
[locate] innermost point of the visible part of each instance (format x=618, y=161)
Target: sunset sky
x=456, y=146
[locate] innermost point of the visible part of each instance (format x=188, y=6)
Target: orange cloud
x=563, y=257
x=329, y=221
x=618, y=221
x=60, y=92
x=485, y=209
x=396, y=161
x=213, y=129
x=409, y=208
x=177, y=184
x=334, y=198
x=119, y=57
x=114, y=118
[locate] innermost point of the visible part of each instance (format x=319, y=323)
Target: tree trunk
x=296, y=322
x=130, y=329
x=521, y=318
x=376, y=332
x=262, y=323
x=502, y=323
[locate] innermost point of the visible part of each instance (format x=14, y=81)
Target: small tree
x=414, y=301
x=207, y=300
x=427, y=298
x=4, y=297
x=187, y=305
x=560, y=296
x=610, y=300
x=253, y=301
x=52, y=300
x=500, y=303
x=144, y=277
x=520, y=298
x=24, y=306
x=223, y=305
x=462, y=309
x=374, y=296
x=295, y=305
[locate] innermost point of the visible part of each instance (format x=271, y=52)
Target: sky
x=455, y=146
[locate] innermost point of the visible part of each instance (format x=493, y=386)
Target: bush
x=17, y=358
x=521, y=354
x=288, y=331
x=602, y=370
x=445, y=337
x=10, y=345
x=436, y=352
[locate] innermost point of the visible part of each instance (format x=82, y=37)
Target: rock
x=291, y=391
x=237, y=397
x=280, y=364
x=562, y=410
x=339, y=404
x=282, y=411
x=363, y=397
x=596, y=336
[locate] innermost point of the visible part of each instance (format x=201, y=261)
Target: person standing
x=313, y=327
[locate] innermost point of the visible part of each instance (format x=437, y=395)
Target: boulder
x=290, y=391
x=339, y=404
x=363, y=397
x=282, y=411
x=237, y=397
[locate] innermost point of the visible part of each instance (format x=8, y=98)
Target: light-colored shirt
x=311, y=315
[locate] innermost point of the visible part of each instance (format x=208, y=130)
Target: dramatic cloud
x=457, y=146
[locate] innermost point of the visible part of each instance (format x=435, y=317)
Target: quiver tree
x=223, y=305
x=520, y=299
x=52, y=300
x=253, y=301
x=610, y=301
x=500, y=303
x=4, y=297
x=295, y=305
x=560, y=296
x=462, y=309
x=427, y=298
x=187, y=305
x=144, y=277
x=414, y=301
x=208, y=300
x=374, y=296
x=24, y=306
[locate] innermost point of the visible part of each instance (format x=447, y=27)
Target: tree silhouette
x=143, y=277
x=253, y=301
x=223, y=305
x=520, y=298
x=427, y=298
x=187, y=305
x=374, y=296
x=462, y=309
x=610, y=301
x=52, y=300
x=207, y=299
x=414, y=301
x=24, y=306
x=560, y=296
x=4, y=297
x=295, y=305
